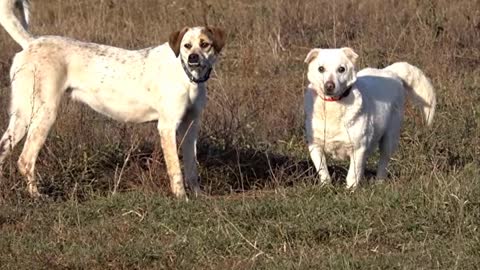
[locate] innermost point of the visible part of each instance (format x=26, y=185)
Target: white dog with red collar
x=349, y=114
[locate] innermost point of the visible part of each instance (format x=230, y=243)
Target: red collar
x=343, y=95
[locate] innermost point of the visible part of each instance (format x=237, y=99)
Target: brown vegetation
x=252, y=133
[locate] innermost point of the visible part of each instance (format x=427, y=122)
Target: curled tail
x=419, y=87
x=16, y=27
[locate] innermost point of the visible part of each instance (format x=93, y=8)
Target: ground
x=108, y=202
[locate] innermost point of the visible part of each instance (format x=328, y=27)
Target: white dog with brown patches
x=349, y=114
x=164, y=83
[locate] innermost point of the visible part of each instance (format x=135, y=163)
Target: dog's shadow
x=230, y=169
x=223, y=170
x=233, y=169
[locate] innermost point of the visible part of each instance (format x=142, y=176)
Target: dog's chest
x=196, y=97
x=333, y=137
x=333, y=130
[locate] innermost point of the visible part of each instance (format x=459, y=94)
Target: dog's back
x=380, y=86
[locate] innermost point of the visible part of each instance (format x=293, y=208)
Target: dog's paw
x=352, y=184
x=33, y=192
x=352, y=187
x=180, y=195
x=179, y=192
x=325, y=180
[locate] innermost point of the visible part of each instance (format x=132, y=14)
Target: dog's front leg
x=188, y=133
x=357, y=167
x=320, y=162
x=169, y=147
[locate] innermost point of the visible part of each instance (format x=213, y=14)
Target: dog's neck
x=192, y=78
x=337, y=113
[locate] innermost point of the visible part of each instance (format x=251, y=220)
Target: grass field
x=109, y=205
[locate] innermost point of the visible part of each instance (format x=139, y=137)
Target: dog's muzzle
x=329, y=87
x=193, y=62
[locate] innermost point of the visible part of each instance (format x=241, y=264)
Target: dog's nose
x=193, y=58
x=329, y=86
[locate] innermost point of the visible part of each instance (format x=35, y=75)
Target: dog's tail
x=16, y=27
x=418, y=86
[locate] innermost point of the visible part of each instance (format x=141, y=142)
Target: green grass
x=419, y=224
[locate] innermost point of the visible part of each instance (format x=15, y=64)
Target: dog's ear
x=175, y=39
x=351, y=55
x=218, y=36
x=312, y=55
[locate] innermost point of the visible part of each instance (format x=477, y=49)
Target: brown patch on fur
x=175, y=39
x=217, y=36
x=206, y=38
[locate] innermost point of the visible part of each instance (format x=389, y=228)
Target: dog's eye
x=204, y=45
x=187, y=46
x=341, y=69
x=321, y=69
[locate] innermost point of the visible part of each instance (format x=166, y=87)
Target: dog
x=349, y=114
x=164, y=83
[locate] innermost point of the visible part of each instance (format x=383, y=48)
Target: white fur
x=370, y=116
x=131, y=86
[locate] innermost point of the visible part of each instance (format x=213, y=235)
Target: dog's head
x=198, y=48
x=331, y=71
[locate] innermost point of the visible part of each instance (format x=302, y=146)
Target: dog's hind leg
x=385, y=154
x=38, y=130
x=387, y=146
x=17, y=127
x=20, y=112
x=43, y=96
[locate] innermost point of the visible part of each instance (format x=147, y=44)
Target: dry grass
x=252, y=138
